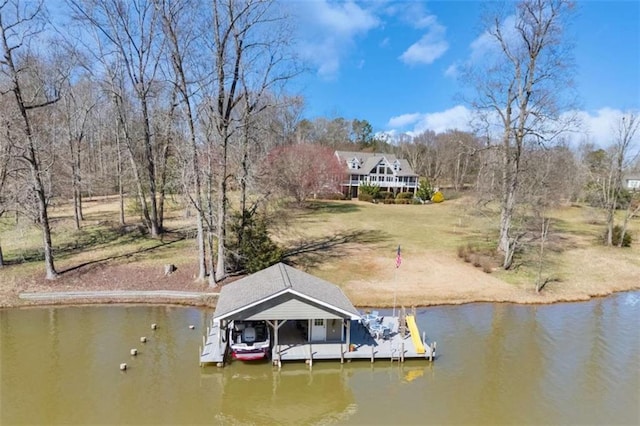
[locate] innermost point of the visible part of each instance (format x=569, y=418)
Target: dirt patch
x=439, y=278
x=108, y=277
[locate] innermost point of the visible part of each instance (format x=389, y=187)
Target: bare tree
x=520, y=83
x=179, y=19
x=622, y=157
x=131, y=29
x=249, y=57
x=303, y=179
x=5, y=156
x=32, y=90
x=76, y=106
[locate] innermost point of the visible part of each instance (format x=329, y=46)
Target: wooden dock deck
x=363, y=346
x=213, y=349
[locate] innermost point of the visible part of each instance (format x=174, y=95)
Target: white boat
x=250, y=340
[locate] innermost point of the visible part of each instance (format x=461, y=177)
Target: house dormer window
x=396, y=166
x=353, y=163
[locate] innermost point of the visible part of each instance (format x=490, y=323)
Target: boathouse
x=309, y=318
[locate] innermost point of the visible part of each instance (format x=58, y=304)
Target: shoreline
x=207, y=299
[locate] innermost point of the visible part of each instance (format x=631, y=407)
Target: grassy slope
x=352, y=244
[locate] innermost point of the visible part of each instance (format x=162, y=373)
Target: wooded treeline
x=149, y=98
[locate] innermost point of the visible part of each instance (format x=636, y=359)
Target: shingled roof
x=369, y=160
x=275, y=281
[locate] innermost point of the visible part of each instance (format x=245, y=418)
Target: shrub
x=369, y=189
x=487, y=267
x=331, y=196
x=425, y=190
x=402, y=201
x=461, y=252
x=438, y=197
x=404, y=196
x=388, y=201
x=365, y=197
x=385, y=195
x=617, y=234
x=251, y=249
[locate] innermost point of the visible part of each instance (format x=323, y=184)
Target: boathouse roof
x=281, y=286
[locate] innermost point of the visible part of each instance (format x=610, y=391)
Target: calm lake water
x=498, y=364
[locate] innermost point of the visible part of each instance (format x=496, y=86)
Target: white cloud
x=328, y=32
x=598, y=128
x=425, y=51
x=457, y=117
x=344, y=18
x=486, y=45
x=431, y=45
x=452, y=71
x=404, y=120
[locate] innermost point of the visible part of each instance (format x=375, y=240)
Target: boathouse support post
x=402, y=352
x=348, y=325
x=341, y=353
x=372, y=354
x=277, y=343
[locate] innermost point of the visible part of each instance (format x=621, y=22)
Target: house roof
x=369, y=160
x=275, y=281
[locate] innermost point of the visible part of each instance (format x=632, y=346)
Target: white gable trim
x=287, y=290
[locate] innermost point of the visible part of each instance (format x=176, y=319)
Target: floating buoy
x=154, y=326
x=134, y=352
x=143, y=339
x=123, y=366
x=192, y=327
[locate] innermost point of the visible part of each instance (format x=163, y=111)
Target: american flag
x=398, y=258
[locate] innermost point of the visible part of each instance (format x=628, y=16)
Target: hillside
x=350, y=243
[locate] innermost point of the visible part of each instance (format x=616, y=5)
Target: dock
x=213, y=348
x=363, y=346
x=400, y=345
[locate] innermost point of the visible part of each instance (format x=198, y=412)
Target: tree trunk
x=119, y=172
x=134, y=167
x=30, y=156
x=172, y=30
x=154, y=220
x=221, y=271
x=1, y=258
x=163, y=178
x=210, y=228
x=630, y=213
x=75, y=186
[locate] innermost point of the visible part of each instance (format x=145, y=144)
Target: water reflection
x=293, y=395
x=497, y=364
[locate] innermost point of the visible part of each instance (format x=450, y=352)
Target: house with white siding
x=632, y=182
x=387, y=171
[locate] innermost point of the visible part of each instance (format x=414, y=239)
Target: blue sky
x=393, y=63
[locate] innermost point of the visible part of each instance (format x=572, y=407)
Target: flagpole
x=395, y=279
x=395, y=285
